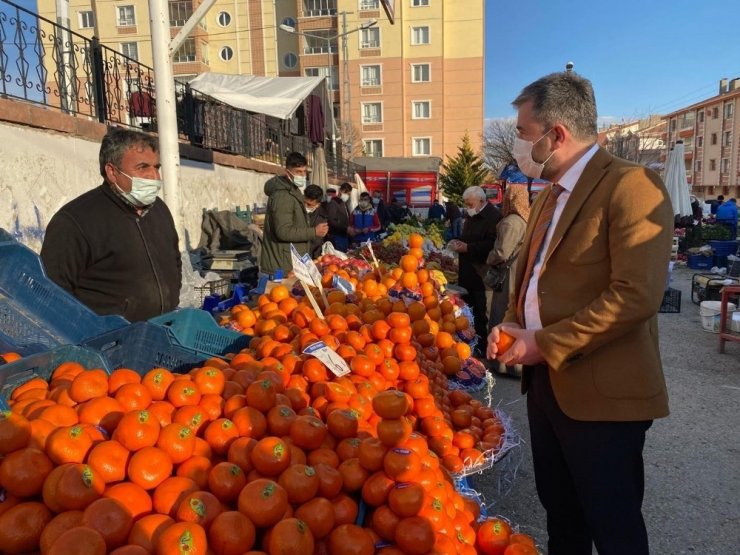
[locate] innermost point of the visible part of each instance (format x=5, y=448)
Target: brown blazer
x=600, y=289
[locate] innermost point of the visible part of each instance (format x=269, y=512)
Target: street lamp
x=363, y=26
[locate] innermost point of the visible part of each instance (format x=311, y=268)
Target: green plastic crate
x=196, y=329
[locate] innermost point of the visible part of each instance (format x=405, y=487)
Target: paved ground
x=692, y=458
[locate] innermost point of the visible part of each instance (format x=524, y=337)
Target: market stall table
x=724, y=334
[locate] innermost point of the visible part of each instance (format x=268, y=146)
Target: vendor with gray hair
x=476, y=241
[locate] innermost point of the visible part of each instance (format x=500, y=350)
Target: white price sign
x=299, y=266
x=372, y=253
x=329, y=358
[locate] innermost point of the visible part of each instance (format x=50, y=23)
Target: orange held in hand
x=504, y=342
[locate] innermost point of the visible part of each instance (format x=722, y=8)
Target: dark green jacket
x=286, y=222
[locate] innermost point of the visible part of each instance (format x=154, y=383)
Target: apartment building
x=236, y=36
x=409, y=89
x=711, y=136
x=641, y=141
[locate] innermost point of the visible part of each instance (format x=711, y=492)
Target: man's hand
x=322, y=230
x=365, y=229
x=351, y=231
x=524, y=350
x=462, y=247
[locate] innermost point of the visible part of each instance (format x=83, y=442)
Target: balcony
x=688, y=132
x=180, y=12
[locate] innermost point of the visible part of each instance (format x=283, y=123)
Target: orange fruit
x=57, y=526
x=181, y=538
x=415, y=240
x=21, y=527
x=200, y=507
x=121, y=377
x=72, y=487
x=168, y=495
x=408, y=263
x=23, y=472
x=157, y=381
x=133, y=396
x=109, y=460
x=416, y=253
x=80, y=540
x=146, y=531
x=69, y=444
x=137, y=429
x=105, y=412
x=231, y=533
x=111, y=519
x=15, y=432
x=279, y=293
x=131, y=496
x=149, y=467
x=89, y=384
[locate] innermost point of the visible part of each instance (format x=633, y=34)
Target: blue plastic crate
x=699, y=262
x=143, y=346
x=723, y=248
x=41, y=365
x=196, y=329
x=35, y=313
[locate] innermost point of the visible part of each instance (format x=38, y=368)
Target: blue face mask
x=298, y=180
x=143, y=191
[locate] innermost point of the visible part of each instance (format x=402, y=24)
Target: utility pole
x=347, y=134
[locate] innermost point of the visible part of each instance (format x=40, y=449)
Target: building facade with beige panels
x=409, y=89
x=710, y=130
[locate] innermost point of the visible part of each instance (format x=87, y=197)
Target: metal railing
x=46, y=64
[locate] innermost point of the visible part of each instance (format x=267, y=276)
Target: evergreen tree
x=461, y=172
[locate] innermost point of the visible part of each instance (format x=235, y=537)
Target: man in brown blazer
x=587, y=287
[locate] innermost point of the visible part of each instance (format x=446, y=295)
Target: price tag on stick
x=329, y=358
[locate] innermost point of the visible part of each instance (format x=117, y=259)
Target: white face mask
x=344, y=197
x=311, y=209
x=298, y=180
x=522, y=153
x=472, y=211
x=143, y=191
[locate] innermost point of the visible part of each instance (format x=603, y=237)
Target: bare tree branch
x=498, y=142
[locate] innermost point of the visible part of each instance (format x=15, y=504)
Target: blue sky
x=643, y=57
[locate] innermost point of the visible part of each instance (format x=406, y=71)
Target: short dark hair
x=565, y=98
x=721, y=197
x=331, y=190
x=345, y=187
x=365, y=195
x=295, y=160
x=117, y=141
x=313, y=192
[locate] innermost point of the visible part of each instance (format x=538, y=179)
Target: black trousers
x=589, y=477
x=476, y=298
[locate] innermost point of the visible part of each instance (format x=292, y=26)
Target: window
x=317, y=8
x=369, y=5
x=700, y=141
x=419, y=3
x=701, y=116
x=186, y=52
x=290, y=60
x=421, y=146
x=320, y=42
x=180, y=12
x=715, y=112
x=712, y=165
x=370, y=76
x=223, y=19
x=226, y=53
x=727, y=138
x=204, y=52
x=289, y=22
x=713, y=139
x=370, y=38
x=87, y=20
x=372, y=112
x=421, y=109
x=698, y=166
x=373, y=148
x=322, y=72
x=420, y=73
x=130, y=49
x=728, y=110
x=419, y=35
x=725, y=168
x=673, y=125
x=126, y=16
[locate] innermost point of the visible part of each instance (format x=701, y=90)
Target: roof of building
x=399, y=164
x=713, y=100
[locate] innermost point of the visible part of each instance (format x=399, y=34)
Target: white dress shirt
x=567, y=182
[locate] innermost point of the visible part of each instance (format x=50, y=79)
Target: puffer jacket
x=286, y=222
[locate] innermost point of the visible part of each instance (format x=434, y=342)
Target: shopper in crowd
x=476, y=241
x=115, y=247
x=382, y=210
x=715, y=204
x=398, y=211
x=286, y=219
x=436, y=211
x=364, y=222
x=583, y=313
x=316, y=211
x=337, y=213
x=727, y=216
x=454, y=219
x=509, y=237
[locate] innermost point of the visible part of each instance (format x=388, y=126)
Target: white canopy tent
x=676, y=182
x=278, y=97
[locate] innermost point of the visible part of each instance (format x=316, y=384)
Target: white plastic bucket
x=710, y=314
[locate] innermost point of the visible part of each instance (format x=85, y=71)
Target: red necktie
x=535, y=245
